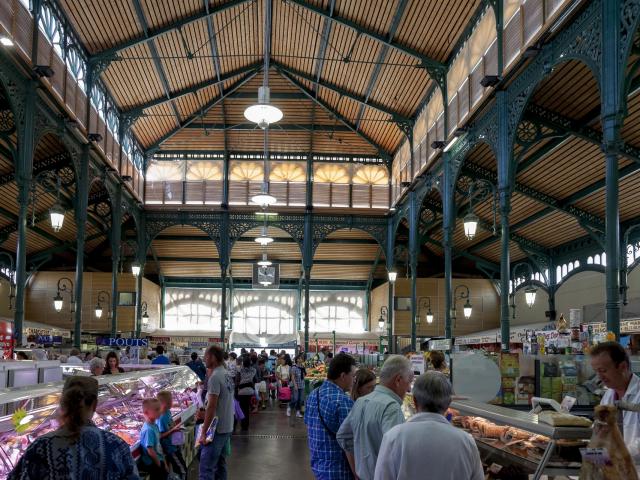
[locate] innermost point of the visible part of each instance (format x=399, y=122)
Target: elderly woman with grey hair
x=360, y=435
x=96, y=366
x=427, y=442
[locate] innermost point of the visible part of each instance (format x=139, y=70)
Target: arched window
x=558, y=273
x=589, y=260
x=113, y=122
x=564, y=270
x=52, y=29
x=604, y=259
x=570, y=267
x=97, y=99
x=576, y=264
x=76, y=65
x=596, y=259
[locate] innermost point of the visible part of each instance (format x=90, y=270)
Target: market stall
x=31, y=411
x=285, y=342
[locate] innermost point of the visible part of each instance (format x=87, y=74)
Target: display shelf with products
x=32, y=411
x=514, y=443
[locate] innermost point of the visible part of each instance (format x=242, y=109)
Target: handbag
x=284, y=395
x=238, y=410
x=177, y=438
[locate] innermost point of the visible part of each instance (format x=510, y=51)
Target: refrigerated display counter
x=518, y=444
x=32, y=411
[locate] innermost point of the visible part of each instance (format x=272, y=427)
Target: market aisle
x=272, y=450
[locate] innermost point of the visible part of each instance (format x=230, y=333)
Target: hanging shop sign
x=476, y=340
x=122, y=342
x=215, y=340
x=7, y=341
x=160, y=339
x=48, y=340
x=443, y=344
x=198, y=344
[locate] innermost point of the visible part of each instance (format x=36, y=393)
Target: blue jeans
x=213, y=465
x=297, y=396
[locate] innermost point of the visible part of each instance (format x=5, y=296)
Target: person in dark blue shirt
x=161, y=359
x=197, y=366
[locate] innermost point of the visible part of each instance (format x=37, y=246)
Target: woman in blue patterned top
x=77, y=450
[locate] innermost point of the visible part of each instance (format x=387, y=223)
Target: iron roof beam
x=138, y=110
x=476, y=171
x=155, y=146
x=51, y=163
x=198, y=238
x=156, y=58
x=252, y=261
x=483, y=224
x=381, y=151
x=555, y=121
x=113, y=51
x=326, y=31
x=273, y=128
x=170, y=155
x=395, y=22
x=396, y=116
x=425, y=61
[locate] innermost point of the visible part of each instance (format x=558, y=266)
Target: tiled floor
x=272, y=449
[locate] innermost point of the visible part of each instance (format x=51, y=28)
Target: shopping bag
x=239, y=414
x=177, y=438
x=284, y=395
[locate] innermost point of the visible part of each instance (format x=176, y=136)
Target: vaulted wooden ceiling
x=348, y=66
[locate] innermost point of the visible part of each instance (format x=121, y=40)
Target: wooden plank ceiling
x=318, y=55
x=184, y=252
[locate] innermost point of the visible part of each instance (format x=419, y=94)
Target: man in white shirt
x=74, y=357
x=611, y=363
x=427, y=445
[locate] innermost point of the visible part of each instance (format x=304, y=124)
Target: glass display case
x=515, y=444
x=30, y=412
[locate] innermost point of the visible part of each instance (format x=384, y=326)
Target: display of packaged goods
x=32, y=411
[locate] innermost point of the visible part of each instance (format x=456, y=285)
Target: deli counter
x=516, y=444
x=29, y=412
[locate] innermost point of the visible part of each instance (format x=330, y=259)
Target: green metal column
x=24, y=170
x=448, y=222
x=116, y=234
x=82, y=201
x=390, y=294
x=163, y=290
x=504, y=154
x=611, y=115
x=505, y=209
x=223, y=301
x=553, y=282
x=307, y=262
x=138, y=317
x=307, y=287
x=413, y=264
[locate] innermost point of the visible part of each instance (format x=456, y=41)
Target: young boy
x=152, y=454
x=166, y=427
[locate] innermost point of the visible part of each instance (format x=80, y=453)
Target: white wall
x=583, y=289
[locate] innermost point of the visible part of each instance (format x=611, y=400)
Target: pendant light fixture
x=264, y=239
x=265, y=262
x=263, y=113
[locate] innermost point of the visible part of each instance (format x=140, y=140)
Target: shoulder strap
x=329, y=431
